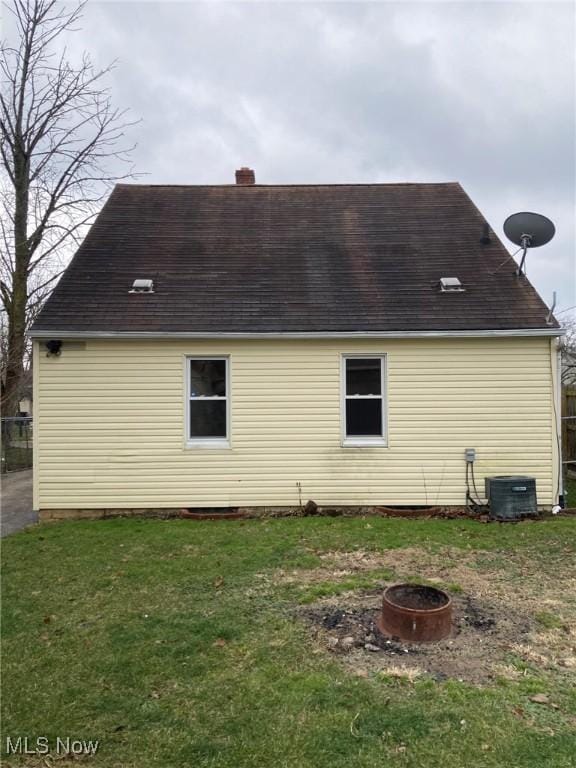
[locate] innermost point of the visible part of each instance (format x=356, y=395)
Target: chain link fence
x=16, y=433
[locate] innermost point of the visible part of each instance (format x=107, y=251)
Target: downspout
x=556, y=346
x=35, y=424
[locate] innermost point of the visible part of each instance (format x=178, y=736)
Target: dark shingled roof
x=253, y=259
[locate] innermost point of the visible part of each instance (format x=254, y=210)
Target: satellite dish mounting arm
x=525, y=244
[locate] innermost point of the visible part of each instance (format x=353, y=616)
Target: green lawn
x=175, y=643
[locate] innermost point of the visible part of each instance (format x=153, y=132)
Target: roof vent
x=451, y=285
x=142, y=286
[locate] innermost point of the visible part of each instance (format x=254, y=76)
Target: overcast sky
x=481, y=93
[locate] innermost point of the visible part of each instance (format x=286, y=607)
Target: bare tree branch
x=61, y=147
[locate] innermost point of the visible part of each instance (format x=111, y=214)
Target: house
x=258, y=346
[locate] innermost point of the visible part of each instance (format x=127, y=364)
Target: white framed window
x=208, y=402
x=363, y=400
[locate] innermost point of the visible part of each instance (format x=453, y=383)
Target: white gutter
x=39, y=334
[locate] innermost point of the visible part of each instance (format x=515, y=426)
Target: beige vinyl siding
x=111, y=433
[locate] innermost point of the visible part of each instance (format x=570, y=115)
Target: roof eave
x=478, y=333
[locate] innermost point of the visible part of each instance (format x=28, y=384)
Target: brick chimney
x=245, y=176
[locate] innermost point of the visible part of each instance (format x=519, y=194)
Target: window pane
x=207, y=418
x=363, y=377
x=207, y=378
x=363, y=417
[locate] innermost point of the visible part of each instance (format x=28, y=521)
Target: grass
x=548, y=620
x=309, y=594
x=175, y=644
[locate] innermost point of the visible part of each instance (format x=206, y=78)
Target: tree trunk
x=17, y=309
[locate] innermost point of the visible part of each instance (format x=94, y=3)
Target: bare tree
x=60, y=148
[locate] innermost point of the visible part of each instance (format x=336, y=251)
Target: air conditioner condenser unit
x=511, y=497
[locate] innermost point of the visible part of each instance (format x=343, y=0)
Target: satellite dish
x=534, y=226
x=528, y=230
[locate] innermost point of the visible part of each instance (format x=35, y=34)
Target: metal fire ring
x=415, y=612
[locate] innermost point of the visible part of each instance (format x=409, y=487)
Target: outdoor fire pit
x=415, y=612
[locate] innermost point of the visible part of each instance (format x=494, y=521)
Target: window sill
x=207, y=444
x=364, y=442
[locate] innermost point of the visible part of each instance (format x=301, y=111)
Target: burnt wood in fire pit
x=416, y=612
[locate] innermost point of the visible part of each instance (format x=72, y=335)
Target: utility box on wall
x=511, y=497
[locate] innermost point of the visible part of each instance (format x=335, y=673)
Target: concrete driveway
x=16, y=497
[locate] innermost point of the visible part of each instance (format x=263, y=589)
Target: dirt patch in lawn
x=509, y=612
x=503, y=575
x=482, y=635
